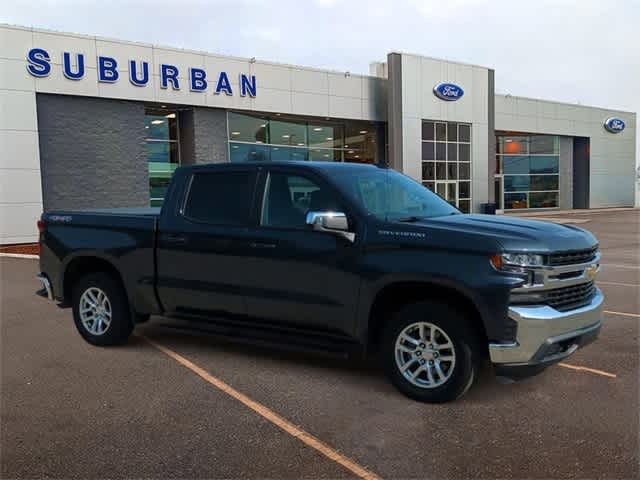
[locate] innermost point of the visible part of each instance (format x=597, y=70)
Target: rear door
x=203, y=246
x=301, y=276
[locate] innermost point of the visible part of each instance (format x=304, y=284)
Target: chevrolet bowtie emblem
x=591, y=271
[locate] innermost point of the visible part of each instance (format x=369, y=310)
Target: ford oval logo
x=614, y=125
x=448, y=91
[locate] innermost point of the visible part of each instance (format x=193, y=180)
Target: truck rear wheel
x=101, y=310
x=431, y=353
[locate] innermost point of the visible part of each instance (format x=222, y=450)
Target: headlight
x=516, y=261
x=523, y=259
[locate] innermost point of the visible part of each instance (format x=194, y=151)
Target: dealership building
x=90, y=122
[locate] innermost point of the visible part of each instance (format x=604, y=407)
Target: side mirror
x=332, y=222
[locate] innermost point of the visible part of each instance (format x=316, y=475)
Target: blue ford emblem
x=448, y=91
x=614, y=125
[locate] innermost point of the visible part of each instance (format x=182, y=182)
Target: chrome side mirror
x=332, y=222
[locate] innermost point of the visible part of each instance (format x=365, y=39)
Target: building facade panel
x=92, y=153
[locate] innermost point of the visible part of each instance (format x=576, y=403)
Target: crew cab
x=345, y=258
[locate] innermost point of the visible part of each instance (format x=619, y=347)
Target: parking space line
x=625, y=314
x=587, y=369
x=268, y=414
x=619, y=283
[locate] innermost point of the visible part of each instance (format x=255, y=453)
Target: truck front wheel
x=430, y=352
x=101, y=310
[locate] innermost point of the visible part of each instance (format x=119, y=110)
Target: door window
x=288, y=198
x=220, y=198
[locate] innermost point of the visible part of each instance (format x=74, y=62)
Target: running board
x=281, y=339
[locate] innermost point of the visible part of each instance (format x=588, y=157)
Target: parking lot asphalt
x=72, y=410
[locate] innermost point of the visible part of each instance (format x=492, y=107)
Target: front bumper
x=545, y=336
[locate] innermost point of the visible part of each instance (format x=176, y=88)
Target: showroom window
x=446, y=161
x=529, y=169
x=277, y=137
x=163, y=151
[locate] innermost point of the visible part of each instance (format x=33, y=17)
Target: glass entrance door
x=448, y=190
x=498, y=185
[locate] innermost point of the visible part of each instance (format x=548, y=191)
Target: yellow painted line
x=619, y=283
x=269, y=414
x=623, y=313
x=587, y=369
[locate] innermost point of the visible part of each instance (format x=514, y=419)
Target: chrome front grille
x=573, y=257
x=568, y=298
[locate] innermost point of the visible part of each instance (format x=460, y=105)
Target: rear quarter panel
x=125, y=241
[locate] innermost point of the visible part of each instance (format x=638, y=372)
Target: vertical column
x=394, y=114
x=20, y=180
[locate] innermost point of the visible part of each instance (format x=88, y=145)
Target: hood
x=515, y=234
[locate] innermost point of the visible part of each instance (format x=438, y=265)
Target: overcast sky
x=583, y=51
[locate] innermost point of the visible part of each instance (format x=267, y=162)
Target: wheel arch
x=391, y=297
x=82, y=265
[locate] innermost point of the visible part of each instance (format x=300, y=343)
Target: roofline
x=558, y=102
x=440, y=59
x=184, y=50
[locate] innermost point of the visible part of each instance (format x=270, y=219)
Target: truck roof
x=322, y=166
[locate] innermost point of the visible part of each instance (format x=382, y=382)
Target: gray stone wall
x=92, y=152
x=210, y=135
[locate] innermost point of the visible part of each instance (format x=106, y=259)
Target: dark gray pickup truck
x=342, y=258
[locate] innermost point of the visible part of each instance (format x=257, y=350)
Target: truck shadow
x=364, y=374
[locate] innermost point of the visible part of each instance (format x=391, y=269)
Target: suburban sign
x=614, y=125
x=448, y=91
x=108, y=71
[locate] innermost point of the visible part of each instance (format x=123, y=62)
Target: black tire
x=120, y=325
x=467, y=352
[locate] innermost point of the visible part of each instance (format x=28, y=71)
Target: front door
x=301, y=276
x=448, y=189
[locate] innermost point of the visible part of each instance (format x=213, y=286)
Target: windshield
x=389, y=195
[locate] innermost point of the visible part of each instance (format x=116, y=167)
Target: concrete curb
x=19, y=255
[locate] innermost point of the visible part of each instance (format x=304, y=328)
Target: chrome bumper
x=546, y=335
x=46, y=290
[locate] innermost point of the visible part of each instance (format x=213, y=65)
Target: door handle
x=262, y=245
x=175, y=239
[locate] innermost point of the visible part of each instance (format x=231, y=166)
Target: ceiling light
x=326, y=155
x=357, y=156
x=235, y=133
x=285, y=136
x=276, y=148
x=171, y=115
x=346, y=146
x=509, y=140
x=163, y=106
x=301, y=144
x=146, y=126
x=317, y=129
x=253, y=153
x=263, y=125
x=329, y=138
x=234, y=146
x=363, y=131
x=258, y=141
x=350, y=151
x=156, y=122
